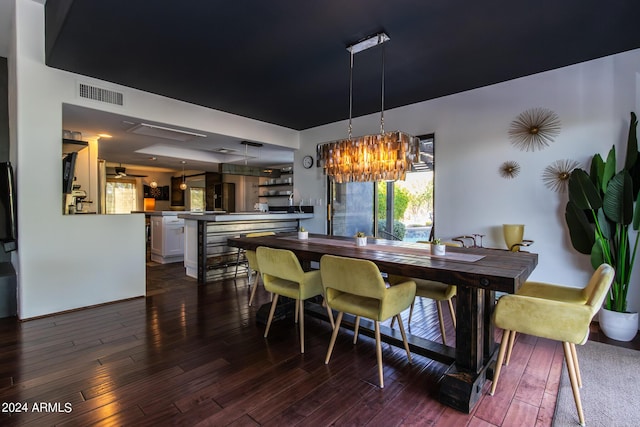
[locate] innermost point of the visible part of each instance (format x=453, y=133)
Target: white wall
x=65, y=263
x=69, y=262
x=593, y=100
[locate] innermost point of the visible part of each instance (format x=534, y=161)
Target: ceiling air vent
x=99, y=94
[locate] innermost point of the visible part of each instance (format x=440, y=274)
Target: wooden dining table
x=478, y=274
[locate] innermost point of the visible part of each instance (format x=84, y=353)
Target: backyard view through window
x=412, y=208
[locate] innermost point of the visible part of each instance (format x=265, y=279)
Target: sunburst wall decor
x=556, y=175
x=534, y=129
x=509, y=169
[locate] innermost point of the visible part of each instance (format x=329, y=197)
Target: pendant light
x=183, y=184
x=383, y=157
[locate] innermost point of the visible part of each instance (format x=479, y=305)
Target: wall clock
x=307, y=162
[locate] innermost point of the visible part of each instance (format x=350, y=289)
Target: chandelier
x=383, y=157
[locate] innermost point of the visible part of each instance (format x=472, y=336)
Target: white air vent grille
x=99, y=94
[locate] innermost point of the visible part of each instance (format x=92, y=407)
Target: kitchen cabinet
x=167, y=239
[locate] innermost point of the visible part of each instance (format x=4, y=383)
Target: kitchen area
x=198, y=237
x=193, y=196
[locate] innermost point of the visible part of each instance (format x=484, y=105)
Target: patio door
x=401, y=210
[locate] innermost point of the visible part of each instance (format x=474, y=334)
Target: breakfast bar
x=207, y=256
x=477, y=272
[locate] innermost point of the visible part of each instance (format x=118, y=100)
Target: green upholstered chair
x=283, y=275
x=356, y=287
x=548, y=291
x=565, y=321
x=252, y=264
x=436, y=291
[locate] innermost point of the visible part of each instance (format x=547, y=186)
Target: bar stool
x=252, y=262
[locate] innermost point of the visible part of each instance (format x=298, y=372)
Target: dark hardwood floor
x=194, y=355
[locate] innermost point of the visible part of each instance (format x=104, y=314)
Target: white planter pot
x=303, y=235
x=361, y=241
x=618, y=326
x=438, y=249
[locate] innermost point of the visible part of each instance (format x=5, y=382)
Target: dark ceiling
x=285, y=61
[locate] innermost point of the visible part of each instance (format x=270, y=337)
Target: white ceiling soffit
x=161, y=150
x=164, y=132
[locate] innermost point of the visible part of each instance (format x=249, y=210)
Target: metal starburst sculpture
x=556, y=175
x=534, y=129
x=509, y=169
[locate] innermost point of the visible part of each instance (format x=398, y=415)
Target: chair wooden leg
x=329, y=313
x=393, y=322
x=301, y=322
x=379, y=354
x=333, y=337
x=297, y=312
x=273, y=310
x=512, y=339
x=356, y=329
x=255, y=286
x=503, y=348
x=410, y=312
x=571, y=369
x=453, y=313
x=574, y=354
x=441, y=320
x=404, y=337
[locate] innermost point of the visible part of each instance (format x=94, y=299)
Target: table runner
x=407, y=249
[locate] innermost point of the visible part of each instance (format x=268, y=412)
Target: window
x=196, y=199
x=121, y=196
x=404, y=209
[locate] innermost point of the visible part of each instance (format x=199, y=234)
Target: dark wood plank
x=189, y=355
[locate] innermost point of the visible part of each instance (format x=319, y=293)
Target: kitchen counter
x=243, y=216
x=207, y=256
x=172, y=213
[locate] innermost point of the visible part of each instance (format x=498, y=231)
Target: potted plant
x=438, y=247
x=361, y=239
x=303, y=234
x=602, y=208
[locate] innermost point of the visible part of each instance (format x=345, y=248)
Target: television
x=8, y=212
x=68, y=172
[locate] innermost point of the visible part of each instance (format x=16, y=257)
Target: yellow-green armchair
x=283, y=275
x=436, y=291
x=356, y=287
x=565, y=321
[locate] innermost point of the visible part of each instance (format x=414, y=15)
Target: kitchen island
x=206, y=254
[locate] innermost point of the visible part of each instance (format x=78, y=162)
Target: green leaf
x=597, y=170
x=636, y=213
x=597, y=252
x=581, y=230
x=583, y=192
x=606, y=227
x=609, y=169
x=618, y=199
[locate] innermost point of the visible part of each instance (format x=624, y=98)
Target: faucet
x=291, y=199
